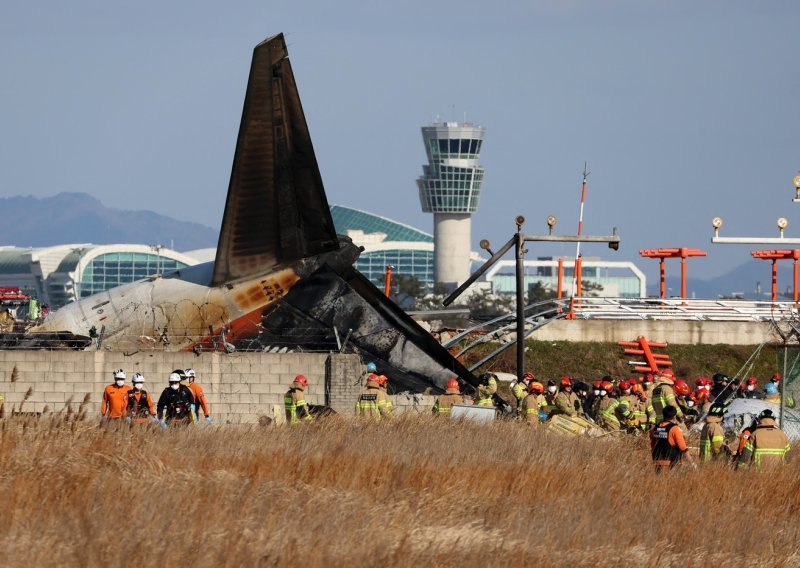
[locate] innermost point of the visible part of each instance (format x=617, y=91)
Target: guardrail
x=682, y=309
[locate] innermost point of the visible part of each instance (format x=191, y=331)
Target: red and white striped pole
x=576, y=271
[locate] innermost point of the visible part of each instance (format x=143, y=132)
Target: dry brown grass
x=413, y=491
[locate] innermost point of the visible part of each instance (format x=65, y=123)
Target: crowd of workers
x=178, y=404
x=663, y=406
x=660, y=405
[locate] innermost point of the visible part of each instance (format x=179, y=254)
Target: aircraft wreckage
x=280, y=268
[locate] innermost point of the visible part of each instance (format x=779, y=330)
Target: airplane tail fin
x=276, y=210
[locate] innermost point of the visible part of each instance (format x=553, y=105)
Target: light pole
x=518, y=241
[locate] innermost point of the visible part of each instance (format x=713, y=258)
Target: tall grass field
x=413, y=491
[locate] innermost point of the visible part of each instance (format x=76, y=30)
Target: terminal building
x=408, y=250
x=61, y=274
x=611, y=279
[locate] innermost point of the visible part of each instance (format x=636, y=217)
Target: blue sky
x=683, y=110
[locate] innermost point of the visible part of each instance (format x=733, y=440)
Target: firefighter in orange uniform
x=200, y=401
x=115, y=398
x=140, y=408
x=667, y=444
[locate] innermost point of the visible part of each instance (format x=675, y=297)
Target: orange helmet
x=301, y=380
x=598, y=384
x=383, y=380
x=566, y=382
x=681, y=387
x=527, y=375
x=452, y=384
x=536, y=387
x=624, y=385
x=636, y=387
x=606, y=386
x=700, y=395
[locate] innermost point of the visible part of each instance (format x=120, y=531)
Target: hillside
x=80, y=218
x=590, y=361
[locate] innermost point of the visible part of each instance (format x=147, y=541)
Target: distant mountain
x=744, y=280
x=80, y=218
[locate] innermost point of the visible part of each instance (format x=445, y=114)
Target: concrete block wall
x=240, y=387
x=346, y=377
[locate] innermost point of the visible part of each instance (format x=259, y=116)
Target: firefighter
x=607, y=409
x=200, y=401
x=667, y=444
x=551, y=390
x=749, y=389
x=712, y=437
x=383, y=383
x=140, y=408
x=486, y=390
x=373, y=402
x=533, y=404
x=664, y=395
x=771, y=392
x=683, y=396
x=452, y=395
x=175, y=405
x=566, y=401
x=737, y=446
x=767, y=446
x=594, y=413
x=115, y=398
x=520, y=389
x=721, y=383
x=700, y=397
x=294, y=402
x=641, y=408
x=648, y=386
x=582, y=390
x=633, y=399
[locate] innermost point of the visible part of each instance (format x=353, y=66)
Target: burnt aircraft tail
x=276, y=210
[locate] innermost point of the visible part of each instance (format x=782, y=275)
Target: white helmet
x=190, y=373
x=138, y=378
x=119, y=374
x=174, y=378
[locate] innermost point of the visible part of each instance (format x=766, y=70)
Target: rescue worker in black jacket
x=176, y=404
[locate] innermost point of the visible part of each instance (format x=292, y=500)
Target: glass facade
x=452, y=179
x=113, y=269
x=416, y=263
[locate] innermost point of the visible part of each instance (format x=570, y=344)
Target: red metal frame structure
x=654, y=362
x=663, y=253
x=775, y=256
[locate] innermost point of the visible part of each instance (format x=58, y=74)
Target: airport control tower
x=449, y=188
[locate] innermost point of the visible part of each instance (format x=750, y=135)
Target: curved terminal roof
x=349, y=219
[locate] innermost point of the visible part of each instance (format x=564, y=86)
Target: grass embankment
x=553, y=359
x=415, y=491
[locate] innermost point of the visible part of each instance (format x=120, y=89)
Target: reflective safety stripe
x=291, y=409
